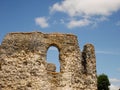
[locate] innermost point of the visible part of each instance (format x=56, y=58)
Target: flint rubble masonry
x=23, y=64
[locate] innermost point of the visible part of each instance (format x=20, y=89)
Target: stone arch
x=54, y=45
x=56, y=64
x=60, y=50
x=19, y=48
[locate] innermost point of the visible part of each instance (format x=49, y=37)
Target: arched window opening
x=53, y=57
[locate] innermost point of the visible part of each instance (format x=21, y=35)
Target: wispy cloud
x=107, y=52
x=115, y=83
x=114, y=87
x=86, y=11
x=118, y=23
x=103, y=18
x=114, y=80
x=78, y=23
x=42, y=22
x=80, y=13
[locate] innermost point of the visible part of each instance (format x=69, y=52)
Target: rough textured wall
x=23, y=64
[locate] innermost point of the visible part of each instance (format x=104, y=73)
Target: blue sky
x=93, y=21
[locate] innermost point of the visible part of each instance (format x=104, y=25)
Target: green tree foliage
x=103, y=82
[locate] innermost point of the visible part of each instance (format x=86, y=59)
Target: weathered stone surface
x=23, y=64
x=51, y=67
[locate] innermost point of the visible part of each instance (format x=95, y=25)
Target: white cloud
x=86, y=7
x=86, y=12
x=114, y=87
x=115, y=84
x=78, y=23
x=42, y=22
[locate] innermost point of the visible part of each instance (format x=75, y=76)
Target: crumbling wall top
x=23, y=64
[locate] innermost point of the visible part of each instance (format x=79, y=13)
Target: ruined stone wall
x=23, y=64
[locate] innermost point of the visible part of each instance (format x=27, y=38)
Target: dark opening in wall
x=53, y=57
